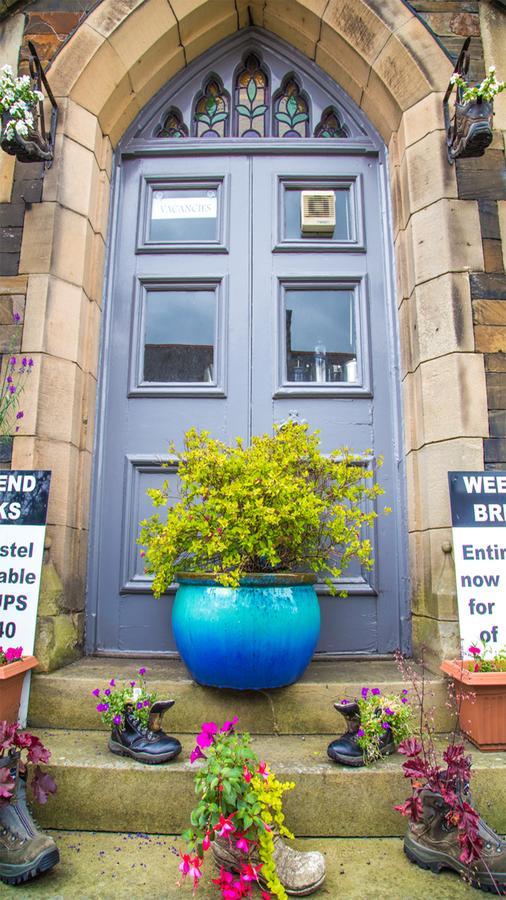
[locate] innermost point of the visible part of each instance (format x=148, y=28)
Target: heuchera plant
x=380, y=713
x=17, y=101
x=278, y=505
x=447, y=773
x=240, y=803
x=19, y=368
x=10, y=655
x=478, y=663
x=14, y=741
x=114, y=698
x=486, y=90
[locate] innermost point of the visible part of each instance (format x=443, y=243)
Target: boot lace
x=11, y=835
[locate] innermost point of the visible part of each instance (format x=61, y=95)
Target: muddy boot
x=148, y=745
x=25, y=851
x=346, y=750
x=300, y=872
x=434, y=844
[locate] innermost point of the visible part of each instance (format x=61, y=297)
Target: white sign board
x=23, y=510
x=478, y=502
x=184, y=207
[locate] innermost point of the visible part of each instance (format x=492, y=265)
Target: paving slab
x=63, y=699
x=98, y=791
x=135, y=866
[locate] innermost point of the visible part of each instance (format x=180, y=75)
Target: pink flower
x=229, y=726
x=474, y=650
x=206, y=843
x=112, y=682
x=195, y=870
x=225, y=826
x=197, y=754
x=184, y=865
x=242, y=844
x=246, y=774
x=250, y=873
x=263, y=770
x=13, y=653
x=206, y=736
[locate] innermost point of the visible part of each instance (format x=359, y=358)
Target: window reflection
x=320, y=336
x=179, y=339
x=292, y=223
x=183, y=216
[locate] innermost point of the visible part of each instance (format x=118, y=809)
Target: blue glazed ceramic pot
x=259, y=635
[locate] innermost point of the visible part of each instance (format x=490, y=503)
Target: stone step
x=98, y=791
x=63, y=699
x=140, y=867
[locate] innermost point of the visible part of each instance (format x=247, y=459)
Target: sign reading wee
x=478, y=502
x=23, y=509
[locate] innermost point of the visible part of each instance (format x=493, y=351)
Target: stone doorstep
x=139, y=867
x=99, y=791
x=63, y=699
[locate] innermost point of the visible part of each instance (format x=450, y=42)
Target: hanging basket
x=32, y=148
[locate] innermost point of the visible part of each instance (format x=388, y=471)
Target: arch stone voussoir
x=381, y=54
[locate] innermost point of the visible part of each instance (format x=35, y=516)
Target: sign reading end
x=478, y=503
x=23, y=510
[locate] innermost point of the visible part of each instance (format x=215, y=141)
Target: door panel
x=226, y=317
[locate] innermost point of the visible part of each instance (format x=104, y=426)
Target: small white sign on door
x=184, y=207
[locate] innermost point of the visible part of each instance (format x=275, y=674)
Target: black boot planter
x=346, y=749
x=25, y=851
x=148, y=744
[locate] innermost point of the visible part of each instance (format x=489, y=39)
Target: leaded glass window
x=291, y=110
x=330, y=125
x=251, y=100
x=173, y=126
x=212, y=110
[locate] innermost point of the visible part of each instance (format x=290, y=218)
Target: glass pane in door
x=320, y=336
x=179, y=336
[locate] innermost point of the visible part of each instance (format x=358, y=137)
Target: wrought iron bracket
x=39, y=77
x=37, y=145
x=470, y=131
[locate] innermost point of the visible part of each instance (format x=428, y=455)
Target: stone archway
x=382, y=55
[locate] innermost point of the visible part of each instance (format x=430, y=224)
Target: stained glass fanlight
x=173, y=125
x=291, y=110
x=251, y=100
x=330, y=125
x=212, y=110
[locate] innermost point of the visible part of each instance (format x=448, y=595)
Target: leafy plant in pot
x=252, y=530
x=13, y=666
x=480, y=686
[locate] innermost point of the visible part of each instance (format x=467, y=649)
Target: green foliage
x=115, y=697
x=486, y=90
x=279, y=505
x=379, y=713
x=480, y=663
x=270, y=798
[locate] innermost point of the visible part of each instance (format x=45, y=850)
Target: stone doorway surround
x=392, y=67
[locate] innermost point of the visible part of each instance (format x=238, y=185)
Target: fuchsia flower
x=184, y=865
x=250, y=873
x=242, y=843
x=206, y=843
x=225, y=825
x=195, y=870
x=246, y=774
x=206, y=736
x=263, y=770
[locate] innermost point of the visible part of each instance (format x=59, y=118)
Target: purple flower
x=107, y=692
x=12, y=389
x=360, y=732
x=9, y=379
x=12, y=361
x=30, y=363
x=385, y=725
x=16, y=317
x=197, y=754
x=146, y=703
x=142, y=671
x=344, y=702
x=364, y=693
x=376, y=692
x=117, y=720
x=388, y=711
x=405, y=691
x=404, y=699
x=102, y=707
x=140, y=704
x=24, y=361
x=112, y=682
x=96, y=692
x=20, y=414
x=132, y=684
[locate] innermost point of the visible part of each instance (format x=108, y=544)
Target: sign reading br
x=478, y=502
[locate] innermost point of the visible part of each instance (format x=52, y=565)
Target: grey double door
x=225, y=314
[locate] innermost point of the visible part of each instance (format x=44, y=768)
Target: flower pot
x=482, y=704
x=259, y=635
x=472, y=130
x=11, y=683
x=32, y=148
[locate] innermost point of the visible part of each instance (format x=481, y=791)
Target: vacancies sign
x=478, y=502
x=23, y=510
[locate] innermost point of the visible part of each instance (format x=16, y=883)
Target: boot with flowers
x=375, y=725
x=240, y=817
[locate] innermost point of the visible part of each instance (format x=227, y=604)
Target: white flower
x=22, y=128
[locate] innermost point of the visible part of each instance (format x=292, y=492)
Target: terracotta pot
x=482, y=701
x=11, y=683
